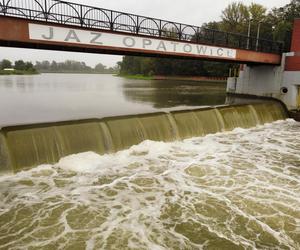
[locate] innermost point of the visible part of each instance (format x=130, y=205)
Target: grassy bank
x=176, y=78
x=138, y=77
x=75, y=72
x=18, y=72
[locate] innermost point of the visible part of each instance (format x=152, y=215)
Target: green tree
x=257, y=15
x=282, y=20
x=5, y=64
x=70, y=66
x=235, y=17
x=161, y=66
x=54, y=66
x=20, y=65
x=257, y=12
x=43, y=66
x=100, y=68
x=29, y=66
x=130, y=65
x=147, y=66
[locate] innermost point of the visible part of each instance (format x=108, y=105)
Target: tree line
x=18, y=65
x=237, y=17
x=68, y=66
x=131, y=65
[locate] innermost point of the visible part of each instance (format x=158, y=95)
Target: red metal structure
x=293, y=61
x=59, y=25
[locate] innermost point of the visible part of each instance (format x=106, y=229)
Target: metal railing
x=56, y=11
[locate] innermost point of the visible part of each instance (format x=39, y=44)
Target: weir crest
x=24, y=147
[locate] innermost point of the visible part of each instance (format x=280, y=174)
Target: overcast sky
x=193, y=12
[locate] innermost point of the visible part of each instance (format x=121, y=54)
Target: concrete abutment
x=281, y=82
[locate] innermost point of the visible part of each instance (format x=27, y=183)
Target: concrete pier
x=281, y=82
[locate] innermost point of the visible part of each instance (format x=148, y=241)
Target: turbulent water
x=233, y=190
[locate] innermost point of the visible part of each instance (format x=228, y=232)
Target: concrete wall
x=270, y=80
x=291, y=80
x=267, y=81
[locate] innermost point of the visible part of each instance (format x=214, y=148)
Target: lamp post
x=273, y=30
x=257, y=36
x=249, y=33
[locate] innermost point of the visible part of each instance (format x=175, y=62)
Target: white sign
x=105, y=39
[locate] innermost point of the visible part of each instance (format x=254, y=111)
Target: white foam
x=234, y=186
x=83, y=162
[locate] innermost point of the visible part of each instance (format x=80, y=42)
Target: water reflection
x=167, y=94
x=60, y=97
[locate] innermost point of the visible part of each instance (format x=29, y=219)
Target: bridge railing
x=56, y=11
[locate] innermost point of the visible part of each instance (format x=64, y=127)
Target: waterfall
x=23, y=147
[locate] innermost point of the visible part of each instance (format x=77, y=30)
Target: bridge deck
x=169, y=39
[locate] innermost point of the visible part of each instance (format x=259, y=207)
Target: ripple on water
x=235, y=190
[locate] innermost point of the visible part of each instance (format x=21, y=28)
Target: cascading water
x=230, y=190
x=24, y=147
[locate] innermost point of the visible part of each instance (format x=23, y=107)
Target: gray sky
x=193, y=12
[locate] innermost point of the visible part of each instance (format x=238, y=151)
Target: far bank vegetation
x=71, y=66
x=237, y=17
x=18, y=68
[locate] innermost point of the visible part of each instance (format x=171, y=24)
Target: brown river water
x=229, y=190
x=60, y=97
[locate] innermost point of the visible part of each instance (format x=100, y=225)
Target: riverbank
x=176, y=78
x=18, y=72
x=76, y=72
x=137, y=77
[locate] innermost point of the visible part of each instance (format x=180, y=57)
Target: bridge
x=65, y=26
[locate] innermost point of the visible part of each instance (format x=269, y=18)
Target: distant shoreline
x=21, y=72
x=176, y=78
x=202, y=79
x=137, y=77
x=17, y=72
x=74, y=72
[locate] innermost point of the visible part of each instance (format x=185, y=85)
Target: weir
x=24, y=147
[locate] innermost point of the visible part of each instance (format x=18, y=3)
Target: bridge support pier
x=262, y=80
x=268, y=81
x=281, y=82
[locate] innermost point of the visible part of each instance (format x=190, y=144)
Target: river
x=230, y=190
x=60, y=97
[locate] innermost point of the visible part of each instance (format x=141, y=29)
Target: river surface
x=60, y=97
x=230, y=190
x=233, y=190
